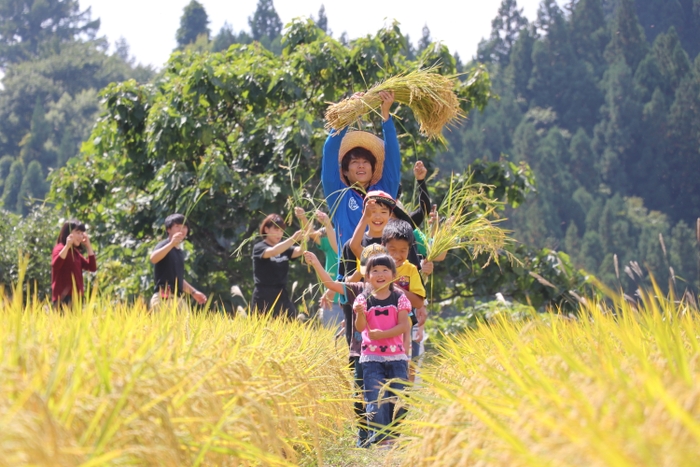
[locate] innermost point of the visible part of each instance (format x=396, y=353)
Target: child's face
x=273, y=234
x=380, y=277
x=379, y=217
x=398, y=249
x=177, y=228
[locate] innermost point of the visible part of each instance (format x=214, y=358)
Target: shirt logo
x=352, y=204
x=279, y=259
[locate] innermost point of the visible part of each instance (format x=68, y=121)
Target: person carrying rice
x=355, y=162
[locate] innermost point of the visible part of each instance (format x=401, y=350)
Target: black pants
x=61, y=303
x=272, y=299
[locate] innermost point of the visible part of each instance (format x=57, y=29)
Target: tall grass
x=615, y=387
x=113, y=384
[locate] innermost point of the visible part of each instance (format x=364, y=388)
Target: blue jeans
x=380, y=407
x=359, y=405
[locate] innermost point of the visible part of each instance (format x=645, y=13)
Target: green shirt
x=331, y=266
x=421, y=243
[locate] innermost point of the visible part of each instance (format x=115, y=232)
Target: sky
x=149, y=26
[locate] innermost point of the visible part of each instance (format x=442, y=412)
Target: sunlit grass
x=614, y=387
x=113, y=384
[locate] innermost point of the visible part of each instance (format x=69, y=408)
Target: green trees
x=266, y=25
x=505, y=28
x=28, y=28
x=11, y=187
x=53, y=66
x=322, y=20
x=609, y=124
x=229, y=137
x=32, y=189
x=194, y=23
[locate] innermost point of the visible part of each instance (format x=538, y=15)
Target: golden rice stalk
x=468, y=225
x=429, y=94
x=616, y=387
x=112, y=384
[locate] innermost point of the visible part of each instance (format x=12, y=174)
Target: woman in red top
x=67, y=262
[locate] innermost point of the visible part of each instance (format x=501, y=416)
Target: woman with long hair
x=68, y=262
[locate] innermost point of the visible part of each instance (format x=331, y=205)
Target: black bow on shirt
x=380, y=312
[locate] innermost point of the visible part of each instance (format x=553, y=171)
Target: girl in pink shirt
x=382, y=317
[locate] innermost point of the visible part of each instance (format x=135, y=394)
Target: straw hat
x=373, y=249
x=368, y=141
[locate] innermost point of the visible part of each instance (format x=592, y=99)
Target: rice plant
x=429, y=94
x=114, y=384
x=615, y=387
x=468, y=224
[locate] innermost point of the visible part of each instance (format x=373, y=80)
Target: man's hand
x=326, y=301
x=421, y=315
x=199, y=297
x=298, y=235
x=370, y=207
x=177, y=238
x=387, y=98
x=419, y=334
x=299, y=212
x=419, y=171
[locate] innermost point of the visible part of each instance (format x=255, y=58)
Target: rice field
x=115, y=385
x=617, y=386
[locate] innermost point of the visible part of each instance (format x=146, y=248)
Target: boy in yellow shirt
x=398, y=238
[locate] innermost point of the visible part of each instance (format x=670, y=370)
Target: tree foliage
x=265, y=24
x=48, y=99
x=608, y=120
x=30, y=28
x=194, y=22
x=226, y=138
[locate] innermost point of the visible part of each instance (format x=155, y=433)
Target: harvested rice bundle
x=429, y=94
x=467, y=210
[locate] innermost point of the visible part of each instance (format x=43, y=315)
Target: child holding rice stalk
x=382, y=317
x=349, y=292
x=271, y=258
x=355, y=162
x=398, y=239
x=168, y=261
x=325, y=239
x=379, y=207
x=68, y=264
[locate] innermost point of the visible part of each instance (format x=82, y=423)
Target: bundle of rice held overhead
x=429, y=94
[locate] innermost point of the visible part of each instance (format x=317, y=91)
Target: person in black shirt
x=271, y=258
x=169, y=264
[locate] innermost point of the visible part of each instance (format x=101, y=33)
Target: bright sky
x=149, y=26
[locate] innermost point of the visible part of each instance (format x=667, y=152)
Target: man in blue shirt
x=357, y=162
